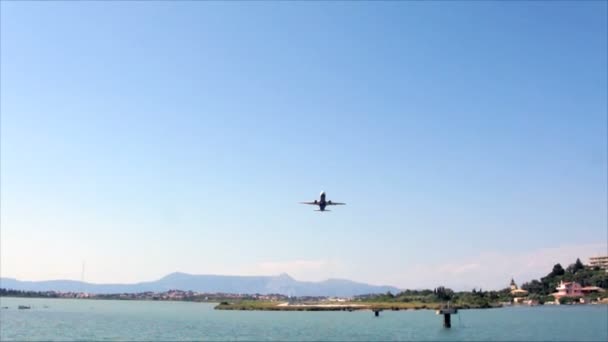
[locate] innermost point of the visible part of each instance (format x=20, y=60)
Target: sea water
x=81, y=319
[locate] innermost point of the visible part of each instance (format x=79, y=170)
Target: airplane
x=322, y=203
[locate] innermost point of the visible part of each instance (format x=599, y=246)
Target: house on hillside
x=516, y=291
x=568, y=289
x=519, y=295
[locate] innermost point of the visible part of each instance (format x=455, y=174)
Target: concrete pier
x=447, y=312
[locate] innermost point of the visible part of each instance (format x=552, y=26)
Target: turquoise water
x=67, y=319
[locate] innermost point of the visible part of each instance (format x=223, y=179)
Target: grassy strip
x=348, y=306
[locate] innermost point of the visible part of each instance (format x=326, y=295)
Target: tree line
x=32, y=294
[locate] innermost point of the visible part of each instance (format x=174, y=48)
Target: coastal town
x=170, y=295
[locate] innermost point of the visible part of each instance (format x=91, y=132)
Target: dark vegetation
x=30, y=294
x=473, y=299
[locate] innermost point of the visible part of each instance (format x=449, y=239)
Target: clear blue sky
x=152, y=137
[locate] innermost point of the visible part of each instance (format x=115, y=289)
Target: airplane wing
x=313, y=203
x=335, y=203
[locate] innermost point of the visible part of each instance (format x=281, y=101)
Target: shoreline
x=352, y=306
x=348, y=306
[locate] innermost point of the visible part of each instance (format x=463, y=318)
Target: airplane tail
x=322, y=210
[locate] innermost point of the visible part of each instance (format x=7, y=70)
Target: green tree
x=534, y=287
x=444, y=294
x=558, y=270
x=577, y=266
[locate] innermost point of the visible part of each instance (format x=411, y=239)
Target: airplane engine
x=329, y=202
x=315, y=201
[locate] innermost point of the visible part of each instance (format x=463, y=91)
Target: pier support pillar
x=447, y=320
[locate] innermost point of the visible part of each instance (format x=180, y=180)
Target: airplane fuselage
x=322, y=202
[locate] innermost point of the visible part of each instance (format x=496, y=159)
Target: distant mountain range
x=281, y=284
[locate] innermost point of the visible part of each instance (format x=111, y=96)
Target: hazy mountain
x=283, y=284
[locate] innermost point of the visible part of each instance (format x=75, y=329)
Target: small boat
x=21, y=307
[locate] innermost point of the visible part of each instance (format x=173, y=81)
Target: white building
x=599, y=261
